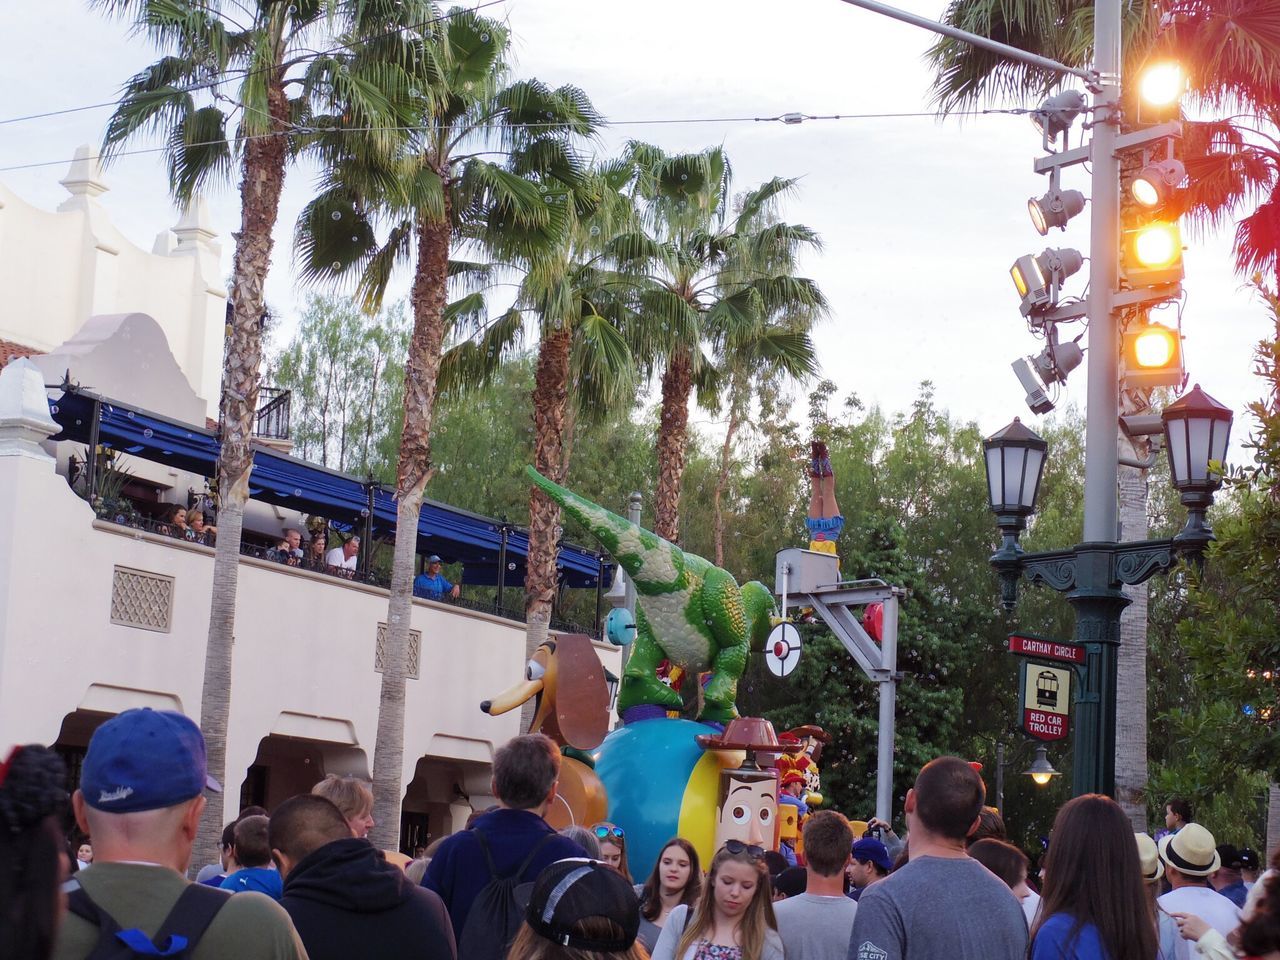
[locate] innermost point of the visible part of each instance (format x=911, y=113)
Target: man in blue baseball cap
x=870, y=863
x=142, y=790
x=432, y=584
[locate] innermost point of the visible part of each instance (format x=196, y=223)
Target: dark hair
x=1260, y=934
x=949, y=795
x=229, y=835
x=1093, y=875
x=171, y=512
x=828, y=839
x=990, y=826
x=651, y=895
x=305, y=823
x=530, y=945
x=1003, y=859
x=252, y=848
x=524, y=771
x=791, y=882
x=1180, y=808
x=33, y=797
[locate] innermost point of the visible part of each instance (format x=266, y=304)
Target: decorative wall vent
x=141, y=599
x=415, y=650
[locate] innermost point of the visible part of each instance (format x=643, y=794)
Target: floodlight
x=1162, y=84
x=1036, y=398
x=1157, y=245
x=1057, y=360
x=1054, y=209
x=1057, y=113
x=1038, y=278
x=1152, y=356
x=1155, y=184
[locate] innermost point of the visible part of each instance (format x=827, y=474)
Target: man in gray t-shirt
x=942, y=903
x=816, y=924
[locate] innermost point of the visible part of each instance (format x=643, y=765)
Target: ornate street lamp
x=1197, y=429
x=1041, y=770
x=1015, y=462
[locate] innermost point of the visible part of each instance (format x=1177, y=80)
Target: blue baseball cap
x=145, y=759
x=871, y=850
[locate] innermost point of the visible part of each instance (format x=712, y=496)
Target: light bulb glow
x=1041, y=779
x=1145, y=192
x=1158, y=245
x=1162, y=84
x=1037, y=217
x=1154, y=347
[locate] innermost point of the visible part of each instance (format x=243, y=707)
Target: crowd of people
x=303, y=880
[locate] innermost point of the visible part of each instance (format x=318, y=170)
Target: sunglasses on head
x=750, y=849
x=604, y=832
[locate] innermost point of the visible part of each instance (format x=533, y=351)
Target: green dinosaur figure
x=689, y=611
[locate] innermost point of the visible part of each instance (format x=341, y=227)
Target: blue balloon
x=645, y=768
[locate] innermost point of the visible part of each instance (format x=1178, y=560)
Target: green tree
x=255, y=68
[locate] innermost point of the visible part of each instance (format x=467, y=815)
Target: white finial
x=196, y=226
x=24, y=411
x=84, y=179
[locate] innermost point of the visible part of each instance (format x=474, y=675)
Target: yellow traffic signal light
x=1152, y=254
x=1152, y=356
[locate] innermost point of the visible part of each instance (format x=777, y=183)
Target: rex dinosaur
x=688, y=611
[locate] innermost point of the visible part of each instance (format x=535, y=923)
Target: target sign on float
x=782, y=649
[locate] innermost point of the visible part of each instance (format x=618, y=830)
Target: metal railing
x=274, y=411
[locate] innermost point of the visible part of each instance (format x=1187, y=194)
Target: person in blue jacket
x=1094, y=905
x=432, y=584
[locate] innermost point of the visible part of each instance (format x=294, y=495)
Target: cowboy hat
x=1152, y=868
x=1190, y=851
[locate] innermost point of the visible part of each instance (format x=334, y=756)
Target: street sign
x=1046, y=700
x=782, y=649
x=1023, y=645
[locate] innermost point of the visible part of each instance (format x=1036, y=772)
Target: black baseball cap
x=570, y=891
x=1248, y=859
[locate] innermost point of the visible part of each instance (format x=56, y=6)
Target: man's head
x=293, y=538
x=1189, y=856
x=434, y=564
x=1177, y=813
x=827, y=842
x=302, y=825
x=525, y=771
x=793, y=783
x=1248, y=865
x=351, y=548
x=250, y=842
x=142, y=787
x=946, y=800
x=1228, y=874
x=870, y=862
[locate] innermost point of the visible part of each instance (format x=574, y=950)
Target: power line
x=241, y=75
x=613, y=123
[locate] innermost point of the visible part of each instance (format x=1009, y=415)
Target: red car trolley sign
x=1046, y=700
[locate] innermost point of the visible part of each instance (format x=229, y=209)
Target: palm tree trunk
x=1273, y=819
x=550, y=400
x=420, y=373
x=263, y=179
x=677, y=381
x=1131, y=676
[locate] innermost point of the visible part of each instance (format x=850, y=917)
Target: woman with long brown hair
x=1093, y=906
x=676, y=879
x=733, y=918
x=612, y=841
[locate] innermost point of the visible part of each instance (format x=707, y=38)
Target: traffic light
x=1152, y=357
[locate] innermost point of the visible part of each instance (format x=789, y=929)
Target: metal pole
x=1000, y=778
x=1096, y=601
x=972, y=39
x=633, y=514
x=502, y=566
x=95, y=425
x=366, y=555
x=599, y=593
x=888, y=701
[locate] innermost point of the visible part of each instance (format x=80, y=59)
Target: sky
x=920, y=218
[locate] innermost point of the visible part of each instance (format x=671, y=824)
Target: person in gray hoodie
x=345, y=899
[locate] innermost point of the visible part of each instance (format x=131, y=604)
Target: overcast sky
x=921, y=219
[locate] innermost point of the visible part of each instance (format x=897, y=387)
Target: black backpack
x=495, y=914
x=177, y=936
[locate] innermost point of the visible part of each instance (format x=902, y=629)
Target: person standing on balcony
x=432, y=584
x=344, y=556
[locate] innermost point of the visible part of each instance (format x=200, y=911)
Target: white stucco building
x=98, y=616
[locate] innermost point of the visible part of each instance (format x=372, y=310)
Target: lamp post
x=1041, y=770
x=1197, y=429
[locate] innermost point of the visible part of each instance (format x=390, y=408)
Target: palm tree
x=1232, y=52
x=705, y=276
x=434, y=191
x=253, y=67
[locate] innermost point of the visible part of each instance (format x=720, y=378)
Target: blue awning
x=456, y=535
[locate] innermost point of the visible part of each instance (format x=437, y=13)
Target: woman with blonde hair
x=613, y=847
x=353, y=798
x=733, y=919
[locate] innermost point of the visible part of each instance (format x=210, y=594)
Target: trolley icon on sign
x=1047, y=690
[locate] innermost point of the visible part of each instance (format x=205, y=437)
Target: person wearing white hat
x=1190, y=857
x=1152, y=873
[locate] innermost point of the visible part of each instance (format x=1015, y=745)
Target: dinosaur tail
x=624, y=541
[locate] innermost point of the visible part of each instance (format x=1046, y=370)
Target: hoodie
x=347, y=901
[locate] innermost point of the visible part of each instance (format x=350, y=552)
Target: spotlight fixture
x=1152, y=357
x=1051, y=365
x=1155, y=184
x=1162, y=83
x=1037, y=279
x=1054, y=209
x=1056, y=114
x=1152, y=254
x=1036, y=398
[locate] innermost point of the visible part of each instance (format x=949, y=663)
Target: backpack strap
x=537, y=848
x=488, y=857
x=80, y=903
x=192, y=914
